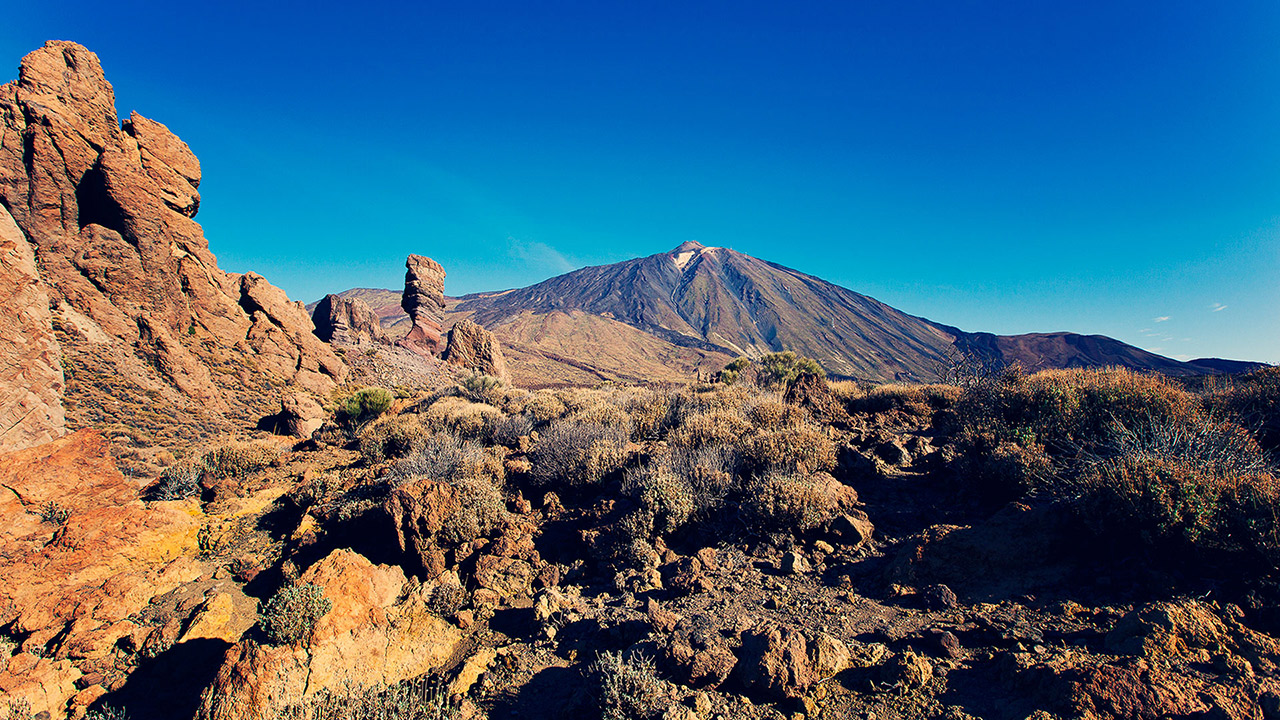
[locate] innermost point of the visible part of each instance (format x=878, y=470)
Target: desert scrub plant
x=577, y=454
x=786, y=502
x=423, y=698
x=509, y=429
x=777, y=370
x=291, y=614
x=447, y=599
x=652, y=412
x=179, y=481
x=715, y=426
x=107, y=712
x=1253, y=401
x=54, y=513
x=463, y=417
x=665, y=496
x=482, y=388
x=446, y=457
x=238, y=459
x=737, y=370
x=391, y=438
x=711, y=472
x=627, y=688
x=802, y=448
x=363, y=407
x=544, y=406
x=480, y=510
x=917, y=400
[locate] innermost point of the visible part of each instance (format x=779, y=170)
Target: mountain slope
x=684, y=312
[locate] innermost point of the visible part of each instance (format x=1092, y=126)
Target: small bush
x=545, y=406
x=463, y=417
x=666, y=496
x=803, y=448
x=716, y=426
x=652, y=413
x=1252, y=401
x=53, y=513
x=710, y=472
x=786, y=502
x=424, y=698
x=179, y=481
x=392, y=438
x=576, y=454
x=363, y=407
x=292, y=613
x=107, y=712
x=446, y=457
x=481, y=509
x=627, y=688
x=508, y=429
x=777, y=370
x=237, y=460
x=447, y=599
x=482, y=388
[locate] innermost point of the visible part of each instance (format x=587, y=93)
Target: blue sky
x=1096, y=167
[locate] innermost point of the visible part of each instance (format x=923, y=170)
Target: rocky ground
x=454, y=557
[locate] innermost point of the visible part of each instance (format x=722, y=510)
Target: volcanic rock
x=344, y=321
x=31, y=379
x=780, y=661
x=159, y=337
x=475, y=348
x=379, y=631
x=423, y=299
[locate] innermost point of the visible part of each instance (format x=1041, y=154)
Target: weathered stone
x=300, y=415
x=779, y=661
x=379, y=631
x=31, y=379
x=475, y=348
x=419, y=510
x=347, y=321
x=423, y=300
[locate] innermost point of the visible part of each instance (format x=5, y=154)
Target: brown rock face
x=344, y=321
x=473, y=347
x=379, y=632
x=30, y=358
x=146, y=319
x=782, y=662
x=423, y=299
x=75, y=590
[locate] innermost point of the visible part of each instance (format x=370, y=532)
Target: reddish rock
x=347, y=321
x=475, y=348
x=780, y=661
x=158, y=336
x=31, y=379
x=423, y=300
x=418, y=510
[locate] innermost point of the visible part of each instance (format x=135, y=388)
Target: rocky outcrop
x=150, y=324
x=81, y=556
x=379, y=631
x=30, y=358
x=475, y=348
x=423, y=299
x=344, y=321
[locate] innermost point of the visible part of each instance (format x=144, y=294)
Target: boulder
x=423, y=300
x=475, y=348
x=347, y=321
x=300, y=416
x=418, y=510
x=780, y=661
x=380, y=631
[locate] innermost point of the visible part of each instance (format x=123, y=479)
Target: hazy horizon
x=1100, y=168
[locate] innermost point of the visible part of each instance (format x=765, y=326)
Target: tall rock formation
x=154, y=334
x=423, y=299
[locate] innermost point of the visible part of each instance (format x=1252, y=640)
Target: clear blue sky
x=1097, y=167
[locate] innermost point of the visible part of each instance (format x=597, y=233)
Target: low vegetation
x=290, y=615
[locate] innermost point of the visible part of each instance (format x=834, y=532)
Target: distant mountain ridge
x=694, y=307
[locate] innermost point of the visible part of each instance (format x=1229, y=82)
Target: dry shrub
x=1253, y=401
x=544, y=406
x=787, y=502
x=480, y=511
x=509, y=429
x=576, y=454
x=651, y=412
x=445, y=456
x=665, y=495
x=238, y=459
x=711, y=471
x=770, y=413
x=603, y=413
x=392, y=438
x=627, y=688
x=463, y=417
x=424, y=698
x=803, y=448
x=917, y=400
x=715, y=426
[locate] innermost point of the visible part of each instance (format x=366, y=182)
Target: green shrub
x=480, y=510
x=53, y=513
x=627, y=688
x=292, y=613
x=664, y=495
x=179, y=481
x=363, y=407
x=482, y=388
x=576, y=454
x=423, y=698
x=779, y=369
x=107, y=712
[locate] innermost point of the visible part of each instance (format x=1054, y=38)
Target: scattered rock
x=793, y=563
x=938, y=597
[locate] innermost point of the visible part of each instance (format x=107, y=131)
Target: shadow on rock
x=169, y=685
